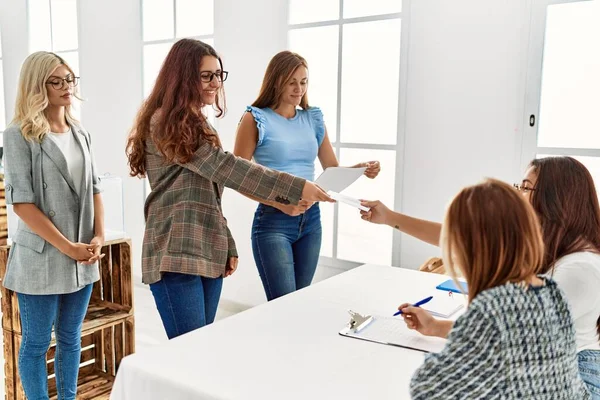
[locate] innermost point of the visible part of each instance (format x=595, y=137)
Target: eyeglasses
x=522, y=188
x=207, y=76
x=59, y=83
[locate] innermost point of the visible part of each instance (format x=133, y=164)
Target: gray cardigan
x=37, y=173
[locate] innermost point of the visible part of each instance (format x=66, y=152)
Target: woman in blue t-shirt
x=286, y=239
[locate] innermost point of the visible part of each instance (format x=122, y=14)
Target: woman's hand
x=372, y=168
x=306, y=204
x=80, y=252
x=231, y=267
x=95, y=249
x=378, y=212
x=423, y=322
x=313, y=193
x=294, y=211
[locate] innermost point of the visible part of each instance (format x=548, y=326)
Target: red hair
x=492, y=235
x=171, y=117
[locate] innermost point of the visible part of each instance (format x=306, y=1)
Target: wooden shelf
x=103, y=314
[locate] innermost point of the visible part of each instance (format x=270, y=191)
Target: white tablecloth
x=288, y=348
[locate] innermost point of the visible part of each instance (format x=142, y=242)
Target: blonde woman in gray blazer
x=53, y=186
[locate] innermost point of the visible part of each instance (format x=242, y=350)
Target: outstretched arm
x=427, y=231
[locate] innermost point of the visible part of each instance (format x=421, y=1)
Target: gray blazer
x=37, y=173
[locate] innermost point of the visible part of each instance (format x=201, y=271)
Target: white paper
x=351, y=201
x=339, y=178
x=393, y=331
x=444, y=305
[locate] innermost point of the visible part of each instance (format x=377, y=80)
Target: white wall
x=465, y=92
x=247, y=35
x=466, y=68
x=110, y=54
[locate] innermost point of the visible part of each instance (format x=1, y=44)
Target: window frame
x=74, y=50
x=60, y=53
x=533, y=90
x=338, y=145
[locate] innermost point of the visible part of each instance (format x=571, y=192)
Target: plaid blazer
x=185, y=228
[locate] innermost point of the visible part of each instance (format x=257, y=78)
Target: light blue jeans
x=589, y=369
x=38, y=314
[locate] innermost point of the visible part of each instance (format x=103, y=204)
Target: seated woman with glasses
x=562, y=192
x=188, y=248
x=52, y=183
x=281, y=131
x=516, y=339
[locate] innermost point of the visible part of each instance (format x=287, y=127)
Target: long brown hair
x=492, y=234
x=280, y=70
x=566, y=202
x=172, y=115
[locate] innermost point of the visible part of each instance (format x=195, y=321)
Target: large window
x=53, y=27
x=163, y=23
x=359, y=92
x=564, y=83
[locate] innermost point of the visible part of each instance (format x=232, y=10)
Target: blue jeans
x=186, y=302
x=286, y=249
x=38, y=314
x=589, y=369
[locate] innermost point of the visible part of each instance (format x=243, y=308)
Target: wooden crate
x=101, y=354
x=108, y=332
x=3, y=213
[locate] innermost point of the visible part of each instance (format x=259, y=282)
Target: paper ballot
x=394, y=332
x=338, y=178
x=351, y=201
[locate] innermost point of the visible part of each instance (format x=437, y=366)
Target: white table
x=288, y=348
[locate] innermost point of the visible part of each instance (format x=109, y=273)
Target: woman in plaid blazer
x=188, y=248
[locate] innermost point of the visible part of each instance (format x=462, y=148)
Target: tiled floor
x=148, y=326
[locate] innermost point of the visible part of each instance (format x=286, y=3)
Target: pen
x=417, y=304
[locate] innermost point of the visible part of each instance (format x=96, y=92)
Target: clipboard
x=391, y=331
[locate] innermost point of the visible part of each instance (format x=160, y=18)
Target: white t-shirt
x=72, y=152
x=578, y=276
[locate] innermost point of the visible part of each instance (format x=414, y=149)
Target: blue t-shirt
x=289, y=144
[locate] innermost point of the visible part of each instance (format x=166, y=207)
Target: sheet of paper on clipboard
x=392, y=331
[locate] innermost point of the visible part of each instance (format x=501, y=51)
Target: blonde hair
x=492, y=233
x=280, y=70
x=32, y=96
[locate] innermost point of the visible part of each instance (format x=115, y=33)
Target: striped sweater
x=511, y=343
